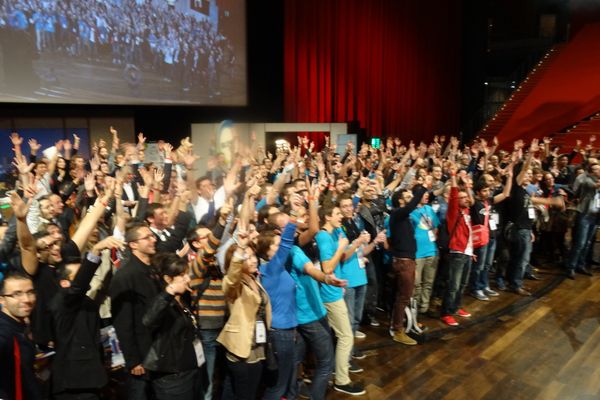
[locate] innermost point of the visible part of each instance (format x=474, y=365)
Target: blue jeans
x=317, y=335
x=139, y=387
x=458, y=275
x=481, y=267
x=284, y=346
x=355, y=300
x=585, y=227
x=211, y=348
x=520, y=252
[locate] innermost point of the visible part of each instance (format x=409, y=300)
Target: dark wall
x=265, y=87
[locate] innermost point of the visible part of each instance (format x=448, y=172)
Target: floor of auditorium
x=545, y=347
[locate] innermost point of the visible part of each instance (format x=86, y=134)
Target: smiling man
x=17, y=351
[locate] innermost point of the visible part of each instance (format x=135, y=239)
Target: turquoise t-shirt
x=353, y=270
x=425, y=220
x=328, y=244
x=309, y=305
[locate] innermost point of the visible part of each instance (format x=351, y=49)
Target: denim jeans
x=355, y=300
x=480, y=270
x=520, y=252
x=317, y=335
x=180, y=386
x=211, y=349
x=139, y=387
x=584, y=230
x=489, y=262
x=284, y=345
x=242, y=380
x=458, y=274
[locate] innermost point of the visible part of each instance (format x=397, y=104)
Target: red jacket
x=458, y=228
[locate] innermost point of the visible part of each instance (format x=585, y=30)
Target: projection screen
x=154, y=52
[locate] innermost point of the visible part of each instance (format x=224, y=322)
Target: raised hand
x=16, y=139
x=168, y=149
x=22, y=166
x=141, y=139
x=113, y=132
x=20, y=207
x=34, y=146
x=89, y=183
x=110, y=242
x=67, y=146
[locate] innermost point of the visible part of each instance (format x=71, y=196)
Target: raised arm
x=90, y=221
x=24, y=237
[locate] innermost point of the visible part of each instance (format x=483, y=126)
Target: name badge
x=261, y=332
x=199, y=352
x=361, y=261
x=531, y=212
x=431, y=235
x=495, y=218
x=493, y=225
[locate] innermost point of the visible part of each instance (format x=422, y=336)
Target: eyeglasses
x=18, y=294
x=148, y=237
x=47, y=246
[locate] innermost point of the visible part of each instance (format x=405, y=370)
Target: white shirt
x=201, y=206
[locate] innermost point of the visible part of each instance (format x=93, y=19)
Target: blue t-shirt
x=353, y=270
x=309, y=305
x=328, y=244
x=424, y=220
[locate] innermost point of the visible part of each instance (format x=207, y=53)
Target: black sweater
x=402, y=238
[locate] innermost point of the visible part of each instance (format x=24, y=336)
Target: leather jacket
x=173, y=333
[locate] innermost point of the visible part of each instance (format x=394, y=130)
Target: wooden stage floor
x=542, y=347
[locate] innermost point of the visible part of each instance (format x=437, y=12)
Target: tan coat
x=238, y=333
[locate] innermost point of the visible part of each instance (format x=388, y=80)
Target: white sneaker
x=478, y=294
x=359, y=335
x=489, y=292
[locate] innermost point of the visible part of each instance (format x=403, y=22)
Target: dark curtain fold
x=393, y=65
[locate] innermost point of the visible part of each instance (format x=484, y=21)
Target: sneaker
x=359, y=335
x=501, y=285
x=358, y=355
x=353, y=389
x=490, y=292
x=479, y=295
x=402, y=337
x=303, y=390
x=355, y=369
x=463, y=313
x=449, y=320
x=374, y=322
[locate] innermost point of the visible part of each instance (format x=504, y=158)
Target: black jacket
x=132, y=290
x=78, y=363
x=402, y=238
x=173, y=334
x=174, y=242
x=10, y=330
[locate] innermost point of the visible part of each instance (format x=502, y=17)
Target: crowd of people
x=150, y=35
x=221, y=286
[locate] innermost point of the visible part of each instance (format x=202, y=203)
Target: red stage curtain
x=393, y=65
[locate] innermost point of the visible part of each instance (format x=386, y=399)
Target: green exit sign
x=376, y=142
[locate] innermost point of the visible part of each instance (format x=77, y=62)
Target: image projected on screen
x=123, y=51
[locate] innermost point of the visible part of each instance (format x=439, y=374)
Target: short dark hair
x=152, y=209
x=326, y=210
x=201, y=179
x=131, y=234
x=397, y=196
x=13, y=275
